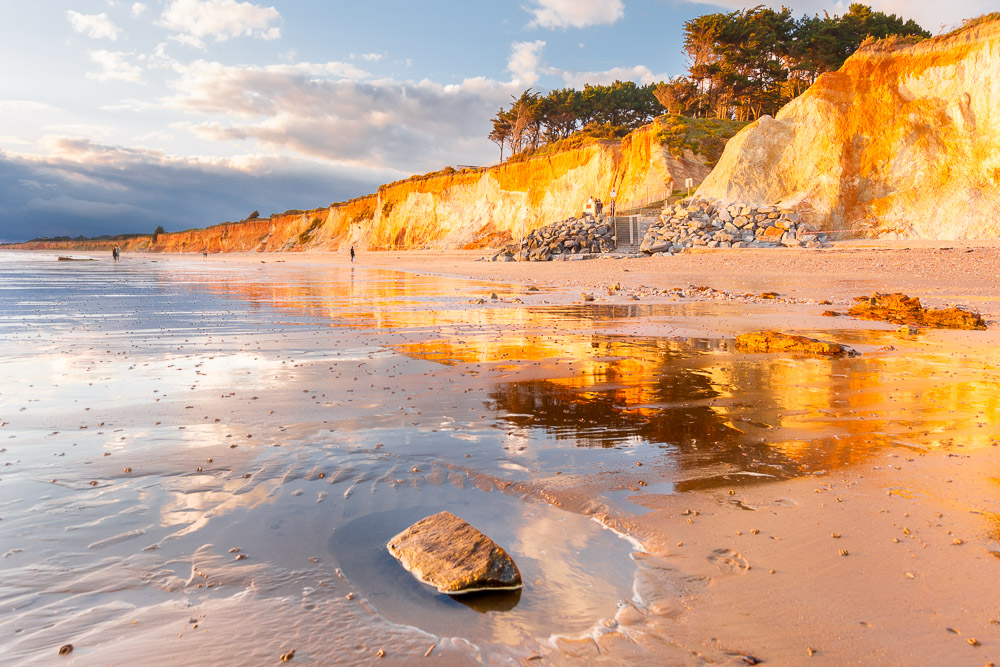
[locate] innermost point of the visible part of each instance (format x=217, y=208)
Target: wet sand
x=723, y=467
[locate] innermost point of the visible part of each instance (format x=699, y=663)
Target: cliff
x=454, y=209
x=903, y=139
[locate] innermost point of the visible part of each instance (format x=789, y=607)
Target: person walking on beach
x=352, y=254
x=114, y=253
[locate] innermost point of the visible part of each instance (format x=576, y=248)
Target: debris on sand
x=774, y=341
x=446, y=552
x=901, y=309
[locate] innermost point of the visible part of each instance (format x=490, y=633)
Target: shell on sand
x=444, y=551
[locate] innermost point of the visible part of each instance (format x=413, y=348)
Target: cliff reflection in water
x=719, y=415
x=714, y=415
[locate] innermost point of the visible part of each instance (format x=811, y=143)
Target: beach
x=203, y=457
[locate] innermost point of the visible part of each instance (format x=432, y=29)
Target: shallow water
x=158, y=413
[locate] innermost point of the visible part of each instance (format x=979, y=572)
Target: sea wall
x=454, y=209
x=903, y=140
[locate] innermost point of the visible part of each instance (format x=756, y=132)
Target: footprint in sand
x=728, y=560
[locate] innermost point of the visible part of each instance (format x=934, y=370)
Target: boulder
x=901, y=309
x=444, y=551
x=774, y=341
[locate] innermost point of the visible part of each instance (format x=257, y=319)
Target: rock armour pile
x=701, y=223
x=570, y=238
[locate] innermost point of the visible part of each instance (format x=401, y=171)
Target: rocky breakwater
x=566, y=239
x=702, y=223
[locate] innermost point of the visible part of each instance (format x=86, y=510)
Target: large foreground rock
x=449, y=554
x=901, y=309
x=774, y=341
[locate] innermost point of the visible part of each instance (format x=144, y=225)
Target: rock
x=901, y=309
x=774, y=341
x=444, y=551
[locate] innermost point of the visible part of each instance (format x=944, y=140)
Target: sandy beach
x=160, y=413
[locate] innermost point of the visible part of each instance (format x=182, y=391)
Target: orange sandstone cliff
x=903, y=140
x=452, y=209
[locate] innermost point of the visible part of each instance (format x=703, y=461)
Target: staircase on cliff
x=629, y=230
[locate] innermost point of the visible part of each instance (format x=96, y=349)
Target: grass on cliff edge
x=706, y=137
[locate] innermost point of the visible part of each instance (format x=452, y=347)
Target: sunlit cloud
x=96, y=26
x=138, y=8
x=524, y=61
x=114, y=67
x=31, y=106
x=193, y=21
x=639, y=73
x=575, y=13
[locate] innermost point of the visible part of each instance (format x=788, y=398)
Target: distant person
x=352, y=254
x=114, y=253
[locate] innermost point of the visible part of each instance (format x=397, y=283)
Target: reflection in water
x=157, y=416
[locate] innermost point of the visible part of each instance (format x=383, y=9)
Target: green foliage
x=591, y=134
x=307, y=233
x=254, y=215
x=706, y=137
x=534, y=121
x=747, y=63
x=156, y=232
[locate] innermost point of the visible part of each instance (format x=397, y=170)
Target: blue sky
x=117, y=116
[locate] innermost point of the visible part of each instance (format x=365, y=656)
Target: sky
x=117, y=116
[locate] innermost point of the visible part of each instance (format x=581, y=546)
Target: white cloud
x=639, y=73
x=114, y=67
x=575, y=13
x=97, y=26
x=331, y=112
x=370, y=57
x=58, y=134
x=26, y=105
x=524, y=60
x=195, y=20
x=138, y=8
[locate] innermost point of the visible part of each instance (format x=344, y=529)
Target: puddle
x=573, y=570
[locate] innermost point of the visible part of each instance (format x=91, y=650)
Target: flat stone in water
x=774, y=341
x=446, y=552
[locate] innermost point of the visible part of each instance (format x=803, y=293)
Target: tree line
x=741, y=65
x=744, y=64
x=534, y=120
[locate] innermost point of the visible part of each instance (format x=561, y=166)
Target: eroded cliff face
x=463, y=209
x=902, y=140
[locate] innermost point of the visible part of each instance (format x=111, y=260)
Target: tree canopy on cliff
x=606, y=111
x=741, y=65
x=748, y=63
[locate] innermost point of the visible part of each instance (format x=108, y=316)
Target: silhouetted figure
x=115, y=253
x=352, y=254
